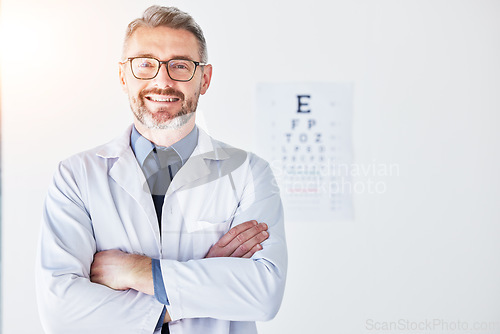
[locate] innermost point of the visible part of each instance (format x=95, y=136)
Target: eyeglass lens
x=178, y=69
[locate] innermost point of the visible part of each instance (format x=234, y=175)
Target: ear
x=205, y=79
x=121, y=73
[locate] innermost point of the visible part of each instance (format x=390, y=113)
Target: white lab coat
x=100, y=200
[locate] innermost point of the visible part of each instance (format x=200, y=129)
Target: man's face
x=161, y=102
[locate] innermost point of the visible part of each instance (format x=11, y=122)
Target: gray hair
x=171, y=17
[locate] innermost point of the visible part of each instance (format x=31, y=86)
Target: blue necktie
x=160, y=167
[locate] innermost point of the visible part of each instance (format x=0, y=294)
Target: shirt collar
x=142, y=146
x=184, y=147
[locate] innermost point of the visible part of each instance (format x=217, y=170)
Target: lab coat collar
x=198, y=164
x=126, y=165
x=207, y=147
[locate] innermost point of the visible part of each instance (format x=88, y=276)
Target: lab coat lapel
x=127, y=173
x=198, y=165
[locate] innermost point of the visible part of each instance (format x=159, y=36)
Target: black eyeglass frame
x=161, y=62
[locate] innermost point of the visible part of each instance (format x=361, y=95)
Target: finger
x=239, y=240
x=254, y=250
x=243, y=237
x=235, y=231
x=250, y=244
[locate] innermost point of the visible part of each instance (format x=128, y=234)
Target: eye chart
x=304, y=131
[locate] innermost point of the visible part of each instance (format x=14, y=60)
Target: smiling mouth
x=162, y=99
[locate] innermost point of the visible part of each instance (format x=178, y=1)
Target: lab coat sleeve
x=68, y=301
x=236, y=289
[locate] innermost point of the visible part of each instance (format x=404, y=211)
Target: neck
x=165, y=137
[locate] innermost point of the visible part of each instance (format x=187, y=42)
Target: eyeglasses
x=147, y=68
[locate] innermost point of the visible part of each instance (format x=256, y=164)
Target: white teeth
x=164, y=100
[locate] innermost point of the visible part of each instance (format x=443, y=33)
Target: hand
x=122, y=271
x=241, y=241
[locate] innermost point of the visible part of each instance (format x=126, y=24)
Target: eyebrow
x=148, y=55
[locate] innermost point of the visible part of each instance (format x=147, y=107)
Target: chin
x=172, y=124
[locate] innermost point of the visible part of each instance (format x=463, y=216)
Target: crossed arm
x=122, y=271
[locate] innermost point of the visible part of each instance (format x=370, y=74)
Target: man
x=157, y=230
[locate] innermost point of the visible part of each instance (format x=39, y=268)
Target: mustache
x=160, y=91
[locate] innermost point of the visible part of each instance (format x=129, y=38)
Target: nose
x=162, y=79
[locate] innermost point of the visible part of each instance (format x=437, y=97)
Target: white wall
x=427, y=97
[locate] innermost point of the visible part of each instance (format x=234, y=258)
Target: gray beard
x=144, y=116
